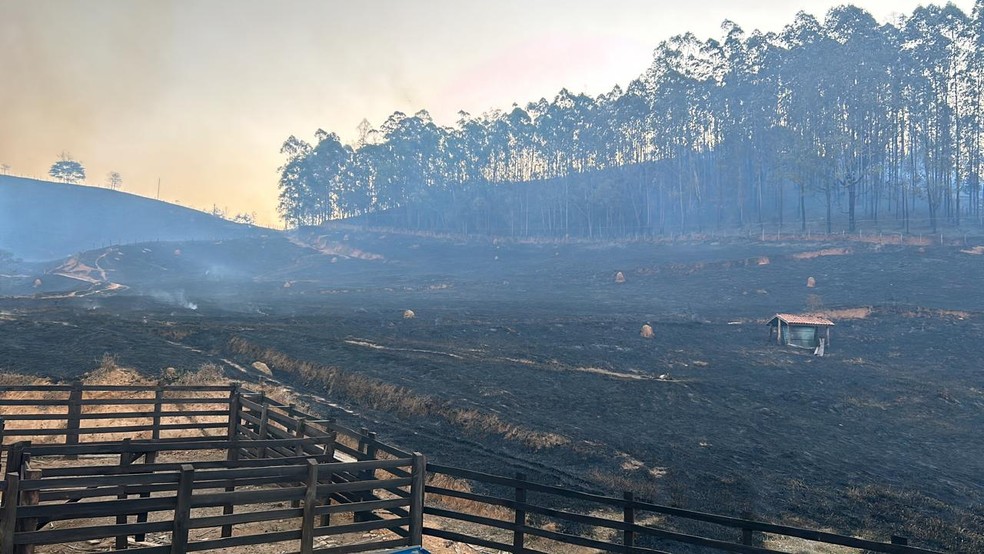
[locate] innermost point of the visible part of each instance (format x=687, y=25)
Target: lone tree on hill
x=67, y=170
x=114, y=180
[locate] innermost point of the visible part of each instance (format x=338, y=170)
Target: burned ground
x=528, y=357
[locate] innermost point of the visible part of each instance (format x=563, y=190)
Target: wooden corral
x=313, y=478
x=268, y=456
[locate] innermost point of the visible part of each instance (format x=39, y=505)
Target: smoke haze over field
x=201, y=94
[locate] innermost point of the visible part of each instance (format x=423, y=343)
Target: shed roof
x=793, y=319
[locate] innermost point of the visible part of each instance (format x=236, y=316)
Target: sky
x=198, y=95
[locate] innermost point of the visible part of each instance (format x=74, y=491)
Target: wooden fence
x=272, y=457
x=507, y=521
x=70, y=414
x=322, y=468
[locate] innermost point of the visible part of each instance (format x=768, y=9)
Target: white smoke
x=174, y=298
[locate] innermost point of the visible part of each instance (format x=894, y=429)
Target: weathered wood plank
x=418, y=472
x=182, y=511
x=75, y=534
x=310, y=499
x=8, y=514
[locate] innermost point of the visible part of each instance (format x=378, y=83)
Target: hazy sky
x=201, y=93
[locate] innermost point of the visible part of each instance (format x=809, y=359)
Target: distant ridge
x=41, y=220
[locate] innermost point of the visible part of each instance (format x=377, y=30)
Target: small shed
x=801, y=331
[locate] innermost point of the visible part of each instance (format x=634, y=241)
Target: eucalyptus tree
x=326, y=168
x=857, y=85
x=930, y=35
x=295, y=182
x=975, y=113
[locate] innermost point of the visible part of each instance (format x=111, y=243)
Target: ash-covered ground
x=528, y=357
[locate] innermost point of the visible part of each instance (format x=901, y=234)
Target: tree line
x=840, y=119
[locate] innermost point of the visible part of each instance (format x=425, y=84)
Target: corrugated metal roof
x=793, y=319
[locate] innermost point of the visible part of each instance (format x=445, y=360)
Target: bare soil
x=528, y=357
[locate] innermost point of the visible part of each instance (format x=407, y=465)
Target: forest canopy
x=840, y=120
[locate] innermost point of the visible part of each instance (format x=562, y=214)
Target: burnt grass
x=527, y=357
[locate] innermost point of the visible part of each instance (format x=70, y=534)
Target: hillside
x=40, y=220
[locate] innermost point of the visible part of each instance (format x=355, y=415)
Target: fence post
x=417, y=475
x=28, y=498
x=299, y=434
x=329, y=446
x=628, y=536
x=363, y=433
x=262, y=432
x=299, y=450
x=310, y=502
x=15, y=457
x=8, y=517
x=231, y=456
x=74, y=417
x=369, y=449
x=125, y=459
x=235, y=420
x=520, y=520
x=262, y=400
x=158, y=408
x=182, y=510
x=329, y=454
x=746, y=534
x=234, y=408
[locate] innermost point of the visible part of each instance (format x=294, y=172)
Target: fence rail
x=518, y=527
